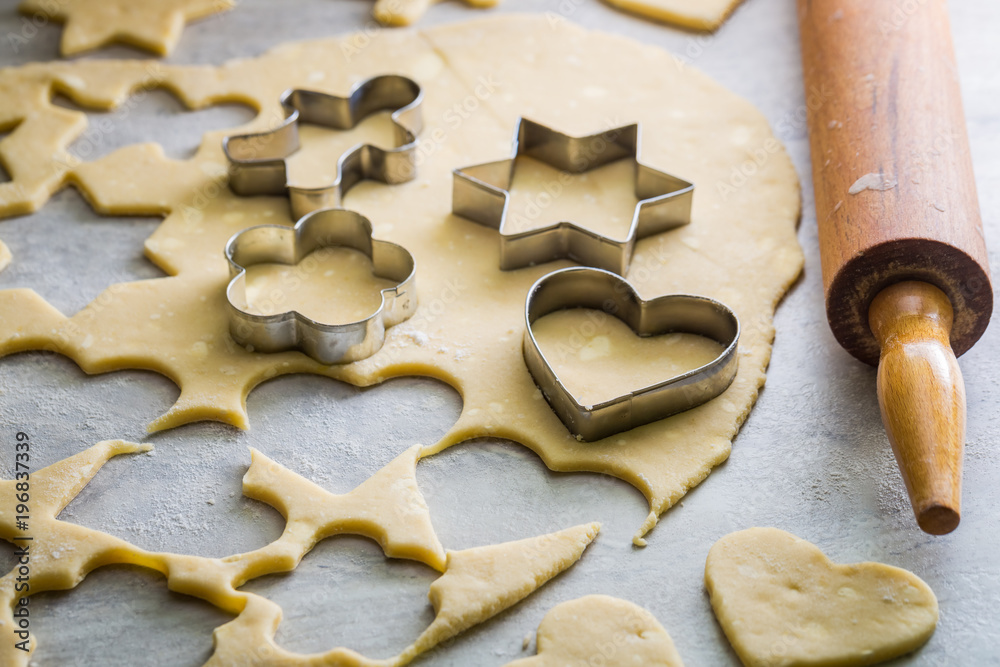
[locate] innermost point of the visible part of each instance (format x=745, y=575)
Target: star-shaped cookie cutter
x=596, y=289
x=259, y=161
x=326, y=343
x=480, y=193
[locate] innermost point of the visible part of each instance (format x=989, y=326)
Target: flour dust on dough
x=601, y=630
x=705, y=15
x=475, y=584
x=478, y=79
x=153, y=25
x=782, y=602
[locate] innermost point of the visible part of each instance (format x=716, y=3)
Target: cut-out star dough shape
x=481, y=193
x=153, y=25
x=600, y=629
x=781, y=602
x=705, y=15
x=475, y=585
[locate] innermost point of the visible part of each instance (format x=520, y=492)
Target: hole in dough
x=346, y=590
x=60, y=405
x=49, y=259
x=487, y=491
x=155, y=115
x=131, y=602
x=4, y=174
x=7, y=559
x=341, y=435
x=190, y=504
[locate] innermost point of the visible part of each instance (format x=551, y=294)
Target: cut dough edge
x=701, y=15
x=91, y=24
x=475, y=584
x=662, y=460
x=600, y=629
x=781, y=600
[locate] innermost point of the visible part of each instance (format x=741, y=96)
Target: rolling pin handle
x=922, y=398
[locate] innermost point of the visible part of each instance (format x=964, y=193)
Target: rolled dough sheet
x=601, y=630
x=781, y=601
x=694, y=14
x=153, y=25
x=478, y=78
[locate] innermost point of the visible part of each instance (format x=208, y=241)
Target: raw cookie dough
x=5, y=256
x=333, y=285
x=405, y=12
x=705, y=15
x=153, y=25
x=601, y=630
x=781, y=601
x=591, y=359
x=478, y=78
x=475, y=585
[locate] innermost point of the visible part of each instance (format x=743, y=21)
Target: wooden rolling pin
x=901, y=240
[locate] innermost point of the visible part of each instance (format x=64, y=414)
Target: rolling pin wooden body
x=904, y=258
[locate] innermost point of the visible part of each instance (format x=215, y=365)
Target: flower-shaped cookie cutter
x=259, y=161
x=580, y=287
x=326, y=343
x=481, y=194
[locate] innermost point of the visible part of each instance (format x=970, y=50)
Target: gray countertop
x=812, y=458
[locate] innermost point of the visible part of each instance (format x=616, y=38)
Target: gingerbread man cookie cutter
x=581, y=287
x=326, y=343
x=481, y=194
x=259, y=161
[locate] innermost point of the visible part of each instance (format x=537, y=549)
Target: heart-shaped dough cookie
x=782, y=602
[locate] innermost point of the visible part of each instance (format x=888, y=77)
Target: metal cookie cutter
x=480, y=193
x=259, y=165
x=326, y=343
x=578, y=287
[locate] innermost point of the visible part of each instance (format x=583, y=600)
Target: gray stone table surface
x=812, y=458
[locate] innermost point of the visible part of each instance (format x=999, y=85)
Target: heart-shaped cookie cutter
x=326, y=343
x=581, y=287
x=259, y=161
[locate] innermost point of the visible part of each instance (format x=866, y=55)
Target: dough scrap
x=705, y=15
x=479, y=583
x=406, y=12
x=475, y=585
x=153, y=25
x=5, y=256
x=600, y=629
x=781, y=601
x=478, y=78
